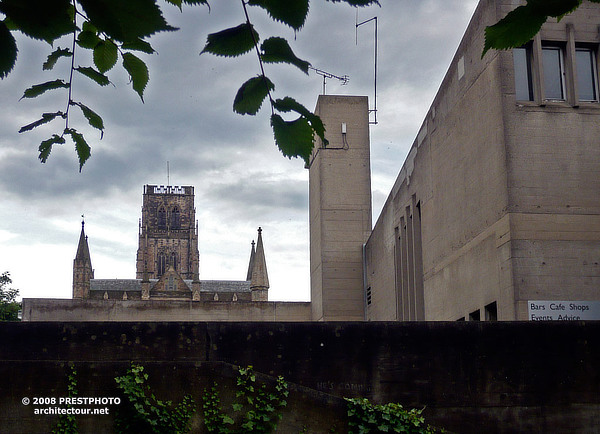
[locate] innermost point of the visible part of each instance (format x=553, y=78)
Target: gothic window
x=162, y=218
x=174, y=260
x=171, y=285
x=161, y=264
x=175, y=220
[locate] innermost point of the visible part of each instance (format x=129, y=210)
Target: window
x=161, y=264
x=174, y=260
x=369, y=299
x=175, y=218
x=491, y=312
x=523, y=81
x=552, y=62
x=587, y=74
x=475, y=316
x=162, y=218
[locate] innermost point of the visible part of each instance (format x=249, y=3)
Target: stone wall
x=44, y=309
x=471, y=377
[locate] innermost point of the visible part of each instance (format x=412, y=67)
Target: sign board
x=551, y=310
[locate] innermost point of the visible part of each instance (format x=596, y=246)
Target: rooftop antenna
x=168, y=175
x=374, y=19
x=344, y=78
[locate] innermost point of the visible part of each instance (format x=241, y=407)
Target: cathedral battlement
x=169, y=189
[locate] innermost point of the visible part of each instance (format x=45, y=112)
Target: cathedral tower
x=168, y=234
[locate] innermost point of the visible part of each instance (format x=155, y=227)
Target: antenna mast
x=374, y=109
x=168, y=175
x=344, y=78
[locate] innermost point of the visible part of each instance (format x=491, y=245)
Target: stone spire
x=259, y=283
x=251, y=264
x=82, y=267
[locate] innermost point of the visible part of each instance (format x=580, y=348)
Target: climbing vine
x=142, y=412
x=256, y=409
x=67, y=424
x=366, y=417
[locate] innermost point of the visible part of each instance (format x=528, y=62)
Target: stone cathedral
x=167, y=265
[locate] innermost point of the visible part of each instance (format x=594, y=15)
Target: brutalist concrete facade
x=498, y=200
x=340, y=208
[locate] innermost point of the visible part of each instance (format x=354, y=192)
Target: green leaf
x=357, y=2
x=290, y=12
x=293, y=138
x=138, y=45
x=231, y=42
x=277, y=50
x=89, y=72
x=251, y=95
x=38, y=89
x=93, y=118
x=88, y=39
x=288, y=104
x=54, y=56
x=554, y=8
x=81, y=147
x=8, y=48
x=514, y=30
x=46, y=146
x=40, y=19
x=105, y=55
x=46, y=117
x=138, y=71
x=126, y=20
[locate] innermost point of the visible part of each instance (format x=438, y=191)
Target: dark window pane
x=586, y=74
x=523, y=85
x=162, y=218
x=553, y=73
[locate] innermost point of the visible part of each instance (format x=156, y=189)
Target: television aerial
x=344, y=78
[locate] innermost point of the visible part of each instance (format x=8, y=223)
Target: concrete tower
x=168, y=234
x=340, y=209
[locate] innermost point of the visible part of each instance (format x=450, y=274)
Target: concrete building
x=495, y=213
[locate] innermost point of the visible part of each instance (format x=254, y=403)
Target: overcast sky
x=241, y=180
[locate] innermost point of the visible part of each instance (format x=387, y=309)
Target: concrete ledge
x=45, y=309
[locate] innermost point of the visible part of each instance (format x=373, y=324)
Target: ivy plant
x=67, y=423
x=256, y=408
x=366, y=417
x=142, y=412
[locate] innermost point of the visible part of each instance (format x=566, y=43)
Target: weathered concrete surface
x=44, y=309
x=472, y=377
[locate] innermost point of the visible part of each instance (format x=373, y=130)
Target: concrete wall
x=471, y=377
x=340, y=209
x=505, y=191
x=554, y=178
x=43, y=309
